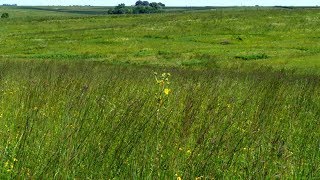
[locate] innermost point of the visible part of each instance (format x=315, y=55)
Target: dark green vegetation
x=79, y=98
x=140, y=7
x=4, y=15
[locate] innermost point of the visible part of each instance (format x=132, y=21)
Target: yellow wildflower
x=167, y=91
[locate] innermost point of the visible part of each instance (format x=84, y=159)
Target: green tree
x=145, y=3
x=140, y=7
x=141, y=10
x=142, y=3
x=161, y=4
x=139, y=3
x=155, y=5
x=120, y=9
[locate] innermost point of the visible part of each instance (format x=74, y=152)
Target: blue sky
x=168, y=2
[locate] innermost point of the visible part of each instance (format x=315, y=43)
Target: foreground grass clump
x=93, y=120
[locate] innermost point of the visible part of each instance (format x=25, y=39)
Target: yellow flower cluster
x=167, y=91
x=163, y=81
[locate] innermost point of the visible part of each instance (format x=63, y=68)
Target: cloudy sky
x=168, y=2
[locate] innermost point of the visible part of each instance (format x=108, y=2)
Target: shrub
x=144, y=10
x=155, y=5
x=5, y=15
x=140, y=7
x=120, y=9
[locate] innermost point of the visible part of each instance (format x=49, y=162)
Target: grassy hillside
x=218, y=37
x=208, y=94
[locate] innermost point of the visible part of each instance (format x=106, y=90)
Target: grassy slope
x=63, y=117
x=206, y=38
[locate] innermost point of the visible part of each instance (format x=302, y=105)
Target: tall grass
x=95, y=115
x=94, y=120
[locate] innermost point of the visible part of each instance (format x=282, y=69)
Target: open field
x=222, y=37
x=79, y=98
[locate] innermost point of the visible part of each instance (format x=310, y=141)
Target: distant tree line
x=9, y=5
x=140, y=7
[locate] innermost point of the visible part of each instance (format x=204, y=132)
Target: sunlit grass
x=215, y=94
x=93, y=120
x=196, y=38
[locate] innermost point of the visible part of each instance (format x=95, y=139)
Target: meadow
x=191, y=94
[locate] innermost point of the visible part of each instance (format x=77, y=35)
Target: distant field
x=190, y=93
x=216, y=37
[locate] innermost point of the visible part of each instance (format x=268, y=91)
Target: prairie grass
x=79, y=98
x=208, y=38
x=95, y=120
